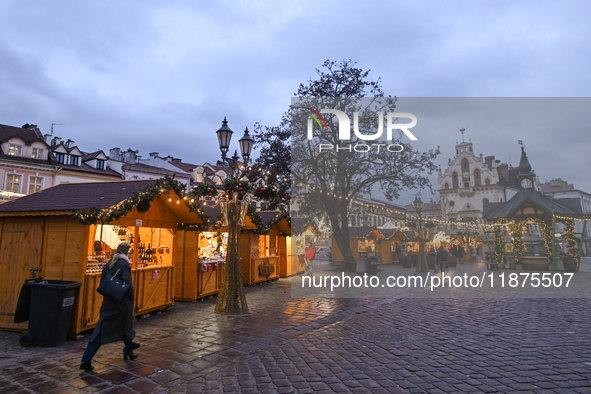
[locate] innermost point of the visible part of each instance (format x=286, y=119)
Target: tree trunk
x=341, y=237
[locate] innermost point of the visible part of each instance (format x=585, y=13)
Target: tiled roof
x=83, y=167
x=360, y=231
x=74, y=196
x=27, y=135
x=187, y=167
x=93, y=155
x=147, y=167
x=555, y=188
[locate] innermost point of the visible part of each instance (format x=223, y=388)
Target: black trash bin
x=52, y=304
x=569, y=264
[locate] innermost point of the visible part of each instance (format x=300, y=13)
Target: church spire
x=526, y=176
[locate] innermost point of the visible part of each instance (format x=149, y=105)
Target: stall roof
x=498, y=210
x=77, y=196
x=300, y=225
x=392, y=234
x=274, y=219
x=360, y=232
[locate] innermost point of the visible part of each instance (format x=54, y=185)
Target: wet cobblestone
x=317, y=345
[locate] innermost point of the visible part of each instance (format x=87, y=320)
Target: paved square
x=329, y=345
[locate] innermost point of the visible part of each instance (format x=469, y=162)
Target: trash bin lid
x=56, y=284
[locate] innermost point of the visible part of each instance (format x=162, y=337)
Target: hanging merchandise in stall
x=212, y=250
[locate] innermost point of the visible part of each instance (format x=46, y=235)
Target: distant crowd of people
x=401, y=250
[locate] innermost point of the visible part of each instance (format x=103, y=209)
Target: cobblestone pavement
x=329, y=345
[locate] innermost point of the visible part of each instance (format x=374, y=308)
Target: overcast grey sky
x=160, y=76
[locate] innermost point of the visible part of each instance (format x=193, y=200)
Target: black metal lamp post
x=422, y=263
x=231, y=299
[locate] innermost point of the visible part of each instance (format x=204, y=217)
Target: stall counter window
x=212, y=249
x=151, y=256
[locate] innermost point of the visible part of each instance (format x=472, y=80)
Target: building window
x=446, y=186
x=15, y=150
x=454, y=179
x=74, y=160
x=37, y=153
x=13, y=182
x=35, y=184
x=485, y=201
x=466, y=184
x=60, y=157
x=476, y=177
x=100, y=164
x=487, y=181
x=199, y=177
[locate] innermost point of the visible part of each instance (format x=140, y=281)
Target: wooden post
x=136, y=232
x=231, y=299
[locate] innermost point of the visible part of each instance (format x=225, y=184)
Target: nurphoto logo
x=345, y=129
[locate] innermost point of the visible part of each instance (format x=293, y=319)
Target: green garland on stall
x=571, y=240
x=517, y=239
x=232, y=186
x=261, y=228
x=498, y=239
x=266, y=192
x=203, y=190
x=546, y=226
x=141, y=201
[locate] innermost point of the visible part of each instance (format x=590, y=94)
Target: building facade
x=470, y=181
x=26, y=164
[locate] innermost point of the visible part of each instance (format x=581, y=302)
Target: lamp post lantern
x=231, y=299
x=422, y=263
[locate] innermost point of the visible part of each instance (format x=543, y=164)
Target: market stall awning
x=526, y=198
x=115, y=201
x=301, y=225
x=392, y=234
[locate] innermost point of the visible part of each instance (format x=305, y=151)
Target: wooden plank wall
x=154, y=290
x=186, y=265
x=21, y=246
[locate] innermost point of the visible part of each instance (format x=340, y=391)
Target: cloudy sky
x=160, y=76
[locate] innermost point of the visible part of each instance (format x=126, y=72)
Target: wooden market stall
x=263, y=246
x=302, y=230
x=364, y=240
x=200, y=263
x=529, y=206
x=386, y=244
x=39, y=231
x=361, y=239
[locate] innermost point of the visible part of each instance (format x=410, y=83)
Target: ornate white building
x=469, y=181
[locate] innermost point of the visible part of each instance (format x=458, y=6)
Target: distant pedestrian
x=115, y=319
x=441, y=259
x=398, y=251
x=461, y=254
x=308, y=257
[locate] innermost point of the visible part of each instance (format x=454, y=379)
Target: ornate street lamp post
x=231, y=299
x=422, y=263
